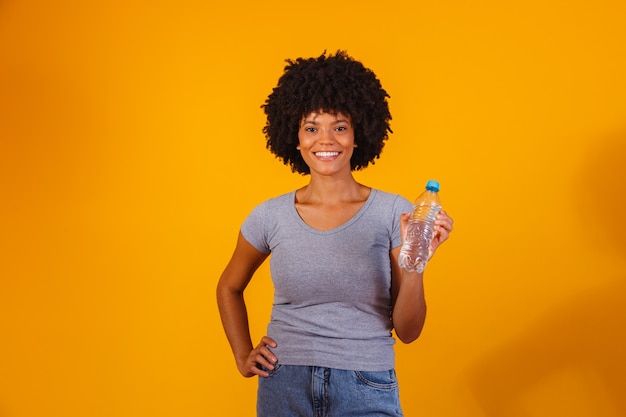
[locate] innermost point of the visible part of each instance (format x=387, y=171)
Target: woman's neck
x=327, y=190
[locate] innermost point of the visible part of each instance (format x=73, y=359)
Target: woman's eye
x=341, y=128
x=309, y=129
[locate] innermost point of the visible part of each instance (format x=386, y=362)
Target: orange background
x=131, y=150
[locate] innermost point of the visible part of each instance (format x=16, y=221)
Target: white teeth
x=326, y=154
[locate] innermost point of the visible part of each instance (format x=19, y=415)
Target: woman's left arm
x=407, y=288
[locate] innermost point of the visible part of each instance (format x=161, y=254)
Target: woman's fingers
x=261, y=357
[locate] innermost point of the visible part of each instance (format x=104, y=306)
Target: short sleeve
x=254, y=230
x=401, y=205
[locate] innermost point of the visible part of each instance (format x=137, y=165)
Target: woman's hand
x=260, y=356
x=443, y=227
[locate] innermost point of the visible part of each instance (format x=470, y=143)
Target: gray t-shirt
x=331, y=288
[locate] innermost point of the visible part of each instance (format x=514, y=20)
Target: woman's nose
x=327, y=136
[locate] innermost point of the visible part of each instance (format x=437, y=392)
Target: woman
x=339, y=291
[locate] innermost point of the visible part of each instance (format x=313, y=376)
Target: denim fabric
x=310, y=391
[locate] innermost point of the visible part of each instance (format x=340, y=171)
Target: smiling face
x=326, y=142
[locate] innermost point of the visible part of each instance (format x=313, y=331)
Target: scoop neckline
x=348, y=223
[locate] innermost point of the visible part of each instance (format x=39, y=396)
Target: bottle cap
x=433, y=186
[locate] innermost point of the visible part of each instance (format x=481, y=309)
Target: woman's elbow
x=409, y=335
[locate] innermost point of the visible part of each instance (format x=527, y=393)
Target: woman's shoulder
x=275, y=204
x=269, y=212
x=389, y=198
x=281, y=200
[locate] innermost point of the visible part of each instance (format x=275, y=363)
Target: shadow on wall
x=601, y=194
x=583, y=342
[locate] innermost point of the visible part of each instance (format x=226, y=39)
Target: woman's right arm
x=234, y=280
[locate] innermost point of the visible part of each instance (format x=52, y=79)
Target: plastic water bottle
x=414, y=253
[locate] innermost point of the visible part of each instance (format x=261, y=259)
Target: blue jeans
x=310, y=391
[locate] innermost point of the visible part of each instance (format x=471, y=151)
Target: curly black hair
x=332, y=84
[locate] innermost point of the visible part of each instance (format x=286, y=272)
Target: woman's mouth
x=326, y=154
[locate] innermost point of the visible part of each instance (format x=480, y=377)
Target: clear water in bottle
x=414, y=253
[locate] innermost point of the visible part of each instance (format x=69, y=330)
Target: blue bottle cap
x=433, y=186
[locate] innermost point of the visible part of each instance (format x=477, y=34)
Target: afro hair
x=332, y=84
